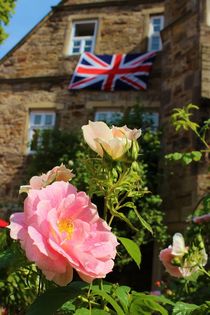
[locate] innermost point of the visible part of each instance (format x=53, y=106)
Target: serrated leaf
x=50, y=301
x=182, y=308
x=132, y=248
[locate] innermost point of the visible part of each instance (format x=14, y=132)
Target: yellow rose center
x=67, y=226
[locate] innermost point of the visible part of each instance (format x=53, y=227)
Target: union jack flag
x=109, y=73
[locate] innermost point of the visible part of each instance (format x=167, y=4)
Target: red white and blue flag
x=112, y=72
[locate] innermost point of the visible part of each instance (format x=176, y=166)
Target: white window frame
x=109, y=115
x=82, y=39
x=208, y=12
x=152, y=33
x=41, y=126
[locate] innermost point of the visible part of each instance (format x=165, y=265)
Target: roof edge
x=103, y=3
x=24, y=38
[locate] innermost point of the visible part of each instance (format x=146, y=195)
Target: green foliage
x=6, y=10
x=182, y=119
x=132, y=249
x=97, y=299
x=18, y=279
x=184, y=308
x=184, y=158
x=56, y=147
x=54, y=298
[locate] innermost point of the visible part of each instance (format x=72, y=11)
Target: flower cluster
x=114, y=142
x=179, y=260
x=60, y=229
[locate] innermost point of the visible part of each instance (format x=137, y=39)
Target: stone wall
x=181, y=85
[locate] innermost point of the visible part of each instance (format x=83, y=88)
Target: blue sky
x=27, y=14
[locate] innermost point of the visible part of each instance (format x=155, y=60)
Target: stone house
x=35, y=74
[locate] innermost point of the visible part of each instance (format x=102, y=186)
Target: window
x=156, y=25
x=108, y=116
x=38, y=121
x=150, y=120
x=83, y=37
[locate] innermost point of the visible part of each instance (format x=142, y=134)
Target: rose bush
x=60, y=229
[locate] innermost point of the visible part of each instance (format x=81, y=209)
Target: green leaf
x=132, y=248
x=202, y=309
x=187, y=158
x=96, y=311
x=143, y=304
x=110, y=300
x=49, y=302
x=143, y=222
x=82, y=311
x=176, y=156
x=184, y=308
x=122, y=293
x=196, y=155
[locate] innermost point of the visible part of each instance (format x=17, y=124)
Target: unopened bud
x=114, y=173
x=135, y=166
x=200, y=242
x=134, y=150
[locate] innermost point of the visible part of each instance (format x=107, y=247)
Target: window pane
x=156, y=28
x=37, y=119
x=157, y=21
x=77, y=43
x=84, y=29
x=76, y=50
x=108, y=117
x=49, y=120
x=88, y=43
x=155, y=43
x=88, y=48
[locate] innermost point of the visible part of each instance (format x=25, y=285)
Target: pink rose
x=115, y=141
x=60, y=229
x=178, y=260
x=58, y=173
x=166, y=257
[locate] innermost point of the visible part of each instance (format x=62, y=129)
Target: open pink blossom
x=60, y=229
x=115, y=141
x=58, y=173
x=184, y=266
